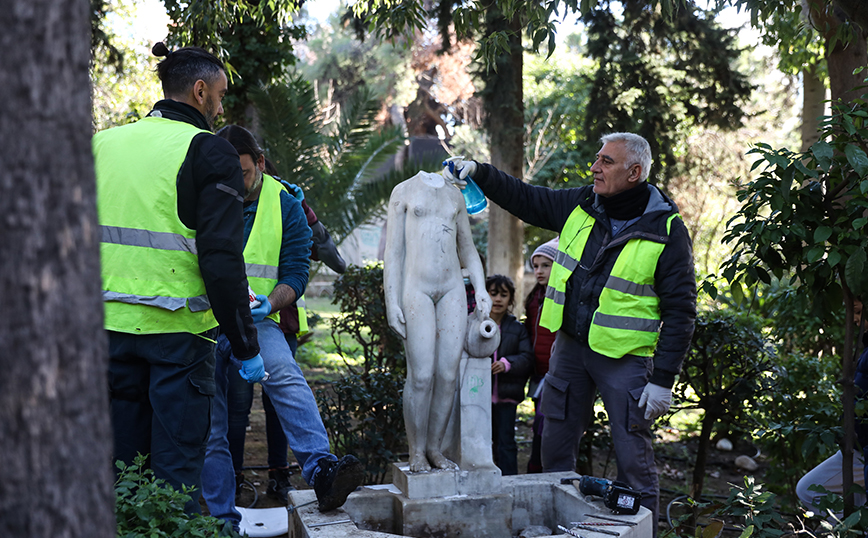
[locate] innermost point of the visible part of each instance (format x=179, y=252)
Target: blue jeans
x=161, y=387
x=239, y=402
x=296, y=408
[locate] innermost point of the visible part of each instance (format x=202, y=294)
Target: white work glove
x=457, y=170
x=656, y=401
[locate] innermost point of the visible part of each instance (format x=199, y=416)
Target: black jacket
x=210, y=201
x=674, y=279
x=516, y=347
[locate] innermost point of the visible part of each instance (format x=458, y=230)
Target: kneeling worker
x=277, y=246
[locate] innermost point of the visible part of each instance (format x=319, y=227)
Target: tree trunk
x=702, y=456
x=813, y=106
x=848, y=397
x=505, y=111
x=55, y=465
x=845, y=56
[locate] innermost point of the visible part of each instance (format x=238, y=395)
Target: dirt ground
x=674, y=462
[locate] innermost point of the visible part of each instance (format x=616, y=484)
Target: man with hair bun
x=169, y=196
x=621, y=296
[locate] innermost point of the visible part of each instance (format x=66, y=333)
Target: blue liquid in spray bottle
x=474, y=200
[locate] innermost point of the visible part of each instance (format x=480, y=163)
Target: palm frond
x=291, y=128
x=347, y=169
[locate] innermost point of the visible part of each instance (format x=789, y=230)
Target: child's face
x=500, y=299
x=542, y=268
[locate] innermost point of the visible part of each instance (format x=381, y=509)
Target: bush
x=799, y=425
x=364, y=413
x=148, y=506
x=724, y=373
x=362, y=301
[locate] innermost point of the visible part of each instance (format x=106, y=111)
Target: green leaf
x=854, y=272
x=824, y=153
x=815, y=253
x=737, y=292
x=822, y=233
x=857, y=159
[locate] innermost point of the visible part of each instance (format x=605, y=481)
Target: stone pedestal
x=468, y=437
x=443, y=483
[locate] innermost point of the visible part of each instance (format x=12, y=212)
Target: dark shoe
x=335, y=480
x=278, y=484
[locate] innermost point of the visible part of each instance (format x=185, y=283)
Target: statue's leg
x=451, y=316
x=419, y=347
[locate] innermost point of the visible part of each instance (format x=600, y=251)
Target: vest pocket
x=554, y=397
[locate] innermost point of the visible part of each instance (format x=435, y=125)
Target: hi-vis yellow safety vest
x=150, y=270
x=627, y=320
x=262, y=251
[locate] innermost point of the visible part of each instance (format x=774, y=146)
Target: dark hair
x=183, y=67
x=270, y=169
x=242, y=140
x=501, y=282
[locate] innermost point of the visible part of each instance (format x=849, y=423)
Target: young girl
x=542, y=340
x=510, y=368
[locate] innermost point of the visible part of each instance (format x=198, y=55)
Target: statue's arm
x=393, y=261
x=469, y=258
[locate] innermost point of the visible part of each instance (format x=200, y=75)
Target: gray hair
x=638, y=150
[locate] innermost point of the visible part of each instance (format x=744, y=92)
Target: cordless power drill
x=617, y=496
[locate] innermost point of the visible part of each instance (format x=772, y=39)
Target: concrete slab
x=384, y=512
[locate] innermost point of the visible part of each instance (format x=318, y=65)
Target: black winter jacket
x=675, y=282
x=516, y=347
x=210, y=201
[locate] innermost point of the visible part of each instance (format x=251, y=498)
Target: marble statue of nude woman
x=428, y=242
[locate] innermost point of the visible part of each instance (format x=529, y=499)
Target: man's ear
x=199, y=90
x=260, y=163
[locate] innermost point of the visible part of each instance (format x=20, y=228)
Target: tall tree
x=660, y=75
x=504, y=105
x=55, y=466
x=254, y=37
x=498, y=26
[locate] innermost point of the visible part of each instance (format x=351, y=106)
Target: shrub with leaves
x=359, y=294
x=723, y=374
x=364, y=413
x=803, y=219
x=148, y=506
x=799, y=422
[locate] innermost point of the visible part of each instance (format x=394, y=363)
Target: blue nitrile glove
x=296, y=191
x=252, y=370
x=263, y=310
x=458, y=170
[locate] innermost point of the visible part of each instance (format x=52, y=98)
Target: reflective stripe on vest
x=302, y=317
x=262, y=251
x=570, y=246
x=627, y=320
x=150, y=269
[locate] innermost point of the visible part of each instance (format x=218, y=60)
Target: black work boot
x=278, y=484
x=335, y=480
